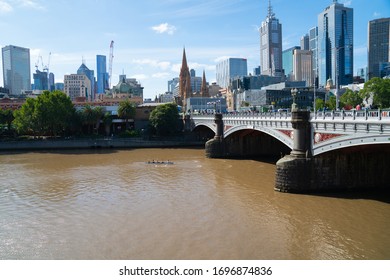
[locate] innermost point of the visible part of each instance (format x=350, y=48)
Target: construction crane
x=110, y=62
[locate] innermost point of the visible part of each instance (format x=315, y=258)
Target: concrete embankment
x=95, y=144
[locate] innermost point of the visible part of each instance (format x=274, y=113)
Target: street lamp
x=294, y=106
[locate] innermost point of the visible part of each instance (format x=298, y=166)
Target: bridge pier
x=215, y=148
x=361, y=167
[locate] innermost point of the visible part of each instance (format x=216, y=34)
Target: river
x=110, y=204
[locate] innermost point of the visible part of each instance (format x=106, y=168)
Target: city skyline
x=149, y=36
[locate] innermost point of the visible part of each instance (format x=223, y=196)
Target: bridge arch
x=255, y=142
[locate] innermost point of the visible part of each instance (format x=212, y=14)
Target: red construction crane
x=110, y=61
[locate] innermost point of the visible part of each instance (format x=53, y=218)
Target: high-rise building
x=102, y=75
x=16, y=69
x=313, y=46
x=305, y=42
x=302, y=67
x=51, y=82
x=335, y=44
x=78, y=87
x=288, y=62
x=378, y=46
x=229, y=69
x=84, y=70
x=172, y=84
x=271, y=45
x=40, y=80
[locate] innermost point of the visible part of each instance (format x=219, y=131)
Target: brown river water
x=110, y=204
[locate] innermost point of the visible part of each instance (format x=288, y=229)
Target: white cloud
x=140, y=77
x=376, y=15
x=164, y=65
x=5, y=7
x=221, y=58
x=164, y=28
x=31, y=4
x=162, y=75
x=348, y=3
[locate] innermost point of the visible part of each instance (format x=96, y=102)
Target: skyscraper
x=288, y=62
x=102, y=75
x=335, y=44
x=378, y=46
x=271, y=45
x=229, y=69
x=84, y=70
x=16, y=69
x=305, y=42
x=313, y=46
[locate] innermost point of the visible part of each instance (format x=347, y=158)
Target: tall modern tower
x=229, y=69
x=313, y=46
x=102, y=75
x=335, y=44
x=16, y=69
x=271, y=45
x=378, y=46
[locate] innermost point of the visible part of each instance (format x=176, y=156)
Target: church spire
x=204, y=91
x=184, y=81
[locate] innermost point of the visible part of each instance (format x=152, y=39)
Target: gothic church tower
x=185, y=81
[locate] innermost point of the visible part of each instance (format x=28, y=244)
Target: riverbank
x=104, y=143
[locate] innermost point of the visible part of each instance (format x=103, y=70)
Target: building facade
x=84, y=70
x=16, y=69
x=335, y=44
x=313, y=46
x=102, y=75
x=378, y=46
x=229, y=69
x=302, y=66
x=271, y=63
x=78, y=87
x=288, y=62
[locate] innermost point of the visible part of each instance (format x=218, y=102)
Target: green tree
x=6, y=117
x=126, y=111
x=379, y=89
x=350, y=99
x=331, y=103
x=107, y=121
x=320, y=104
x=164, y=119
x=25, y=118
x=49, y=114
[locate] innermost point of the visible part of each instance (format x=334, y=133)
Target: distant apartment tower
x=229, y=69
x=335, y=44
x=313, y=46
x=102, y=75
x=303, y=70
x=271, y=45
x=305, y=42
x=16, y=69
x=84, y=70
x=378, y=46
x=288, y=62
x=78, y=87
x=172, y=84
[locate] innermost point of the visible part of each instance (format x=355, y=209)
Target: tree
x=49, y=114
x=331, y=103
x=379, y=90
x=320, y=104
x=350, y=99
x=165, y=119
x=6, y=117
x=107, y=121
x=126, y=111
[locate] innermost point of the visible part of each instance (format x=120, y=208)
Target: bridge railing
x=353, y=115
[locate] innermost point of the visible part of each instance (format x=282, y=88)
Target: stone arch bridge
x=325, y=150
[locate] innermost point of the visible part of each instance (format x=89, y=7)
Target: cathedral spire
x=204, y=91
x=184, y=81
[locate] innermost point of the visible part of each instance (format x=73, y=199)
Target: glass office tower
x=271, y=61
x=335, y=44
x=378, y=46
x=16, y=69
x=229, y=69
x=102, y=75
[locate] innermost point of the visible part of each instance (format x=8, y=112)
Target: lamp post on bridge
x=294, y=106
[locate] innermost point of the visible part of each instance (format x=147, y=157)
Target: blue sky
x=149, y=35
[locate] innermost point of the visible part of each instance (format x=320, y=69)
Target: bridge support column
x=215, y=148
x=187, y=123
x=291, y=170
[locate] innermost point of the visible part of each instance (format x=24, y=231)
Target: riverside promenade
x=101, y=143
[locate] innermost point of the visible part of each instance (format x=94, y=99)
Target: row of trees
x=376, y=89
x=53, y=114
